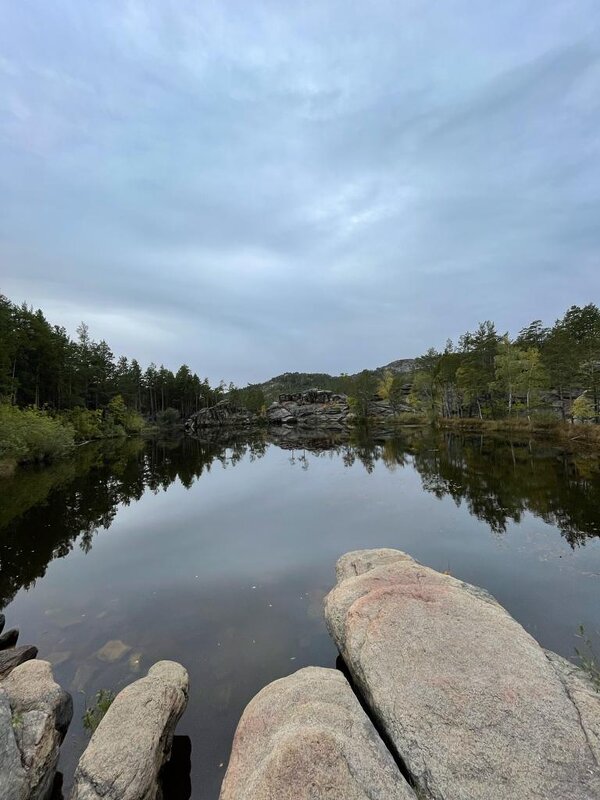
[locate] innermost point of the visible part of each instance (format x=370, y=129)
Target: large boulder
x=12, y=774
x=305, y=737
x=469, y=701
x=35, y=713
x=133, y=741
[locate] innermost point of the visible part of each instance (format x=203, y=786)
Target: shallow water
x=218, y=553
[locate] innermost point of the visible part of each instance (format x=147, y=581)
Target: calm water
x=218, y=554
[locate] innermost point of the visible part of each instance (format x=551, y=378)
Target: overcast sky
x=259, y=187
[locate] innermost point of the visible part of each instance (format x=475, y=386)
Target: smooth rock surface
x=469, y=700
x=306, y=737
x=133, y=741
x=40, y=715
x=584, y=695
x=357, y=562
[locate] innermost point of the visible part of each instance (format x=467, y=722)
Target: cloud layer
x=260, y=187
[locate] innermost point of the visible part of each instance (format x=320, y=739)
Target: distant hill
x=290, y=382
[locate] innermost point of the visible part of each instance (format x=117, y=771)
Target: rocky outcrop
x=469, y=701
x=223, y=414
x=315, y=408
x=133, y=741
x=305, y=737
x=35, y=713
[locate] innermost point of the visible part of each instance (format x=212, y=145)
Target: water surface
x=218, y=553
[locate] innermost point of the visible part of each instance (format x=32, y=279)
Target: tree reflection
x=499, y=479
x=45, y=512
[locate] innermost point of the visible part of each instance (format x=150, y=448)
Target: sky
x=259, y=187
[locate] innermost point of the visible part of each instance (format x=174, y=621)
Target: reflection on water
x=498, y=479
x=218, y=553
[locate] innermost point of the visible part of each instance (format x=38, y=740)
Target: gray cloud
x=252, y=188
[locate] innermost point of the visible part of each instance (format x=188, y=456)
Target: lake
x=217, y=553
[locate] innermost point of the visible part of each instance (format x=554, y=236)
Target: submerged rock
x=113, y=650
x=471, y=703
x=133, y=741
x=305, y=737
x=30, y=737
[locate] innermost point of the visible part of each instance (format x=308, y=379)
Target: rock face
x=471, y=703
x=220, y=415
x=35, y=713
x=315, y=408
x=305, y=737
x=318, y=408
x=133, y=740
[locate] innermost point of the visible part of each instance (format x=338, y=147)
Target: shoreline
x=573, y=437
x=569, y=434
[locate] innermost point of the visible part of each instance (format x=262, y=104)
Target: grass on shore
x=567, y=433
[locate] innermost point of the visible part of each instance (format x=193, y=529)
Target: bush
x=583, y=409
x=125, y=418
x=117, y=420
x=33, y=435
x=87, y=424
x=167, y=418
x=94, y=714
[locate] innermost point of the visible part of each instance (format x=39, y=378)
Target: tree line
x=543, y=371
x=489, y=375
x=486, y=374
x=43, y=367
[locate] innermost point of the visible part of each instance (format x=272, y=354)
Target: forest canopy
x=488, y=375
x=43, y=367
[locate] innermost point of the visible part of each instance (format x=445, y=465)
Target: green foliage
x=41, y=366
x=384, y=387
x=250, y=397
x=93, y=714
x=126, y=418
x=518, y=371
x=391, y=388
x=588, y=659
x=32, y=435
x=87, y=424
x=16, y=721
x=583, y=409
x=167, y=418
x=361, y=390
x=489, y=376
